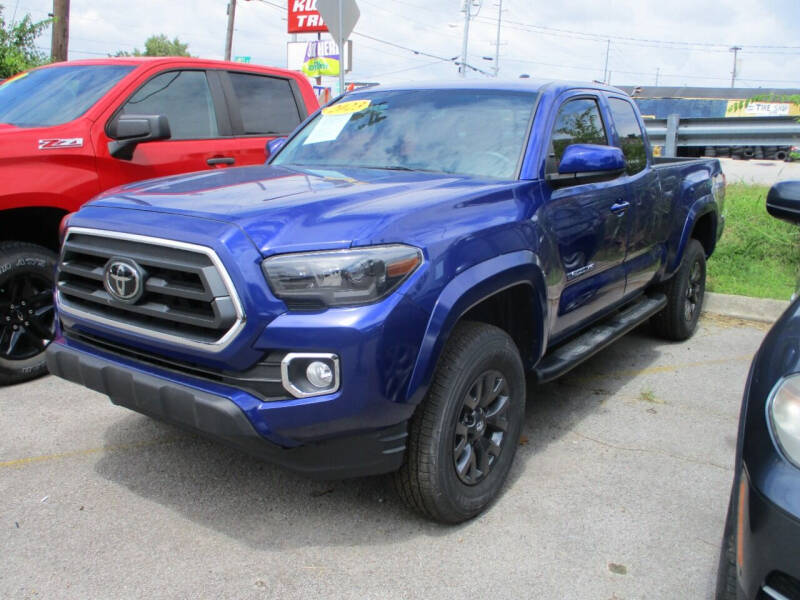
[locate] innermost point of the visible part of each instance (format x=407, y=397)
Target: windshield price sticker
x=333, y=120
x=327, y=129
x=346, y=108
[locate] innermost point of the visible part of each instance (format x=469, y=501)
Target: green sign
x=241, y=59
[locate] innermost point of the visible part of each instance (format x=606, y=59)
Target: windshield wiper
x=398, y=168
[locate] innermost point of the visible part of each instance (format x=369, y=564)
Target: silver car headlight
x=314, y=280
x=783, y=410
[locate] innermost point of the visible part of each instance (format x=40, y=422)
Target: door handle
x=220, y=160
x=620, y=207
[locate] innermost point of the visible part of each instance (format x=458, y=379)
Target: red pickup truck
x=72, y=130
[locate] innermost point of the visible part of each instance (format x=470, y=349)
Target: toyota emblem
x=123, y=280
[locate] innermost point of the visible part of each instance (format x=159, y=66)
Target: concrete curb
x=764, y=310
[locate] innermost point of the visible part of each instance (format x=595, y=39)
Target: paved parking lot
x=619, y=491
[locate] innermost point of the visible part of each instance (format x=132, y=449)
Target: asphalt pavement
x=619, y=491
x=760, y=172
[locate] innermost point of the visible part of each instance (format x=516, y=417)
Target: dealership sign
x=322, y=58
x=318, y=58
x=304, y=17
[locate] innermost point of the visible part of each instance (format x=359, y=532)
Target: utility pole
x=658, y=70
x=229, y=36
x=59, y=44
x=340, y=42
x=497, y=44
x=735, y=50
x=462, y=68
x=605, y=69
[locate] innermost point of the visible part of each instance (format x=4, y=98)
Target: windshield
x=56, y=95
x=465, y=132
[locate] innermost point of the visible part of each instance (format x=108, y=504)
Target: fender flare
x=464, y=291
x=701, y=207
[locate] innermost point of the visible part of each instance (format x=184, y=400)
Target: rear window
x=56, y=95
x=578, y=122
x=267, y=104
x=184, y=98
x=630, y=135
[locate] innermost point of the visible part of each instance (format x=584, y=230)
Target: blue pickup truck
x=372, y=300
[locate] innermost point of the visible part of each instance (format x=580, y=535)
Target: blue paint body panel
x=577, y=254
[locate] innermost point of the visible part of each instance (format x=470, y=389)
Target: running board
x=584, y=346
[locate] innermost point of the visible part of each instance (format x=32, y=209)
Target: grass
x=758, y=255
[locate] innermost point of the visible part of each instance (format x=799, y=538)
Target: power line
x=641, y=41
x=427, y=64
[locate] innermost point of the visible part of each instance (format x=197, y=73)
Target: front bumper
x=213, y=413
x=770, y=547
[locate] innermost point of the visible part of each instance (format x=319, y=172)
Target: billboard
x=304, y=17
x=318, y=57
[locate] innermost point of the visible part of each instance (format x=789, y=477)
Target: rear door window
x=184, y=97
x=578, y=122
x=630, y=135
x=267, y=104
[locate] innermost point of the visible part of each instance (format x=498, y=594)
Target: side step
x=587, y=344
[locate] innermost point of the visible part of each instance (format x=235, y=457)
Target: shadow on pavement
x=267, y=507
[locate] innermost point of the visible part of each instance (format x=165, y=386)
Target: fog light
x=310, y=374
x=319, y=374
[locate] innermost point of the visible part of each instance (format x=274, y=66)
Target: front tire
x=685, y=292
x=27, y=316
x=464, y=435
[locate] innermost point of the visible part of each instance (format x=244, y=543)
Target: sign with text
x=316, y=58
x=304, y=17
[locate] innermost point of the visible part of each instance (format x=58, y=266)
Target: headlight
x=783, y=409
x=340, y=277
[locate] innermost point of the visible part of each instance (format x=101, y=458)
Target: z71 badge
x=60, y=143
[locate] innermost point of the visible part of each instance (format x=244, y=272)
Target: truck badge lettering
x=60, y=143
x=578, y=272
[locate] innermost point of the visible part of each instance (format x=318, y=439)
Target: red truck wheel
x=27, y=319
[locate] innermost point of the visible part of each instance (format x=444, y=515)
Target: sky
x=680, y=42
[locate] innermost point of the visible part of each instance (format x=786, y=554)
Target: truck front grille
x=179, y=292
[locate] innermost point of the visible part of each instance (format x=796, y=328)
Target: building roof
x=644, y=92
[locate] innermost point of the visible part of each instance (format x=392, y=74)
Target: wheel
x=685, y=292
x=464, y=435
x=27, y=316
x=726, y=571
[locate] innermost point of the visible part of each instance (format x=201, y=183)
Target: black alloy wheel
x=694, y=291
x=27, y=314
x=481, y=427
x=27, y=320
x=464, y=435
x=685, y=291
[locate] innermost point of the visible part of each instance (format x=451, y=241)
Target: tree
x=159, y=45
x=17, y=49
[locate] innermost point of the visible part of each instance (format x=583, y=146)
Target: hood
x=289, y=209
x=34, y=143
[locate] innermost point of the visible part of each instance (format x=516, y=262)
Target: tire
x=685, y=292
x=726, y=571
x=446, y=430
x=27, y=315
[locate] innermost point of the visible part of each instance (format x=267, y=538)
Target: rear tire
x=685, y=292
x=27, y=315
x=464, y=435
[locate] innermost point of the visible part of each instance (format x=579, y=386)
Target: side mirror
x=783, y=201
x=583, y=162
x=274, y=145
x=127, y=131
